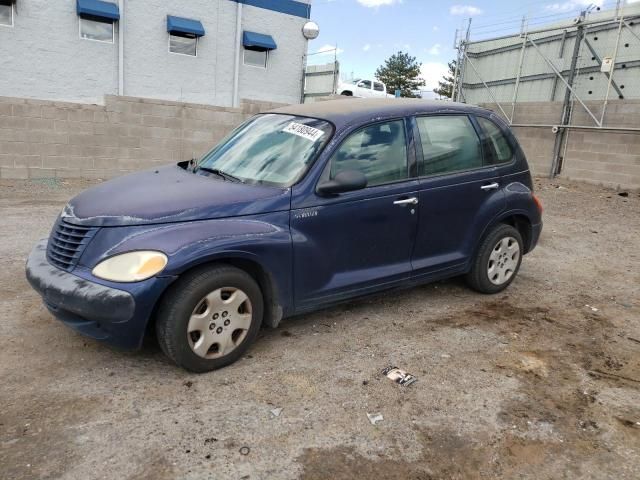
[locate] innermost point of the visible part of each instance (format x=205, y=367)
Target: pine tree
x=445, y=86
x=401, y=72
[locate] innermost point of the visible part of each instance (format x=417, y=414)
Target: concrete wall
x=602, y=157
x=44, y=139
x=43, y=56
x=40, y=138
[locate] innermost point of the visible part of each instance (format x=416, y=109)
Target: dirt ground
x=542, y=381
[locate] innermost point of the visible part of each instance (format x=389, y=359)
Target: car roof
x=363, y=110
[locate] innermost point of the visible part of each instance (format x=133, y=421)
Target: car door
x=364, y=88
x=459, y=194
x=357, y=242
x=379, y=90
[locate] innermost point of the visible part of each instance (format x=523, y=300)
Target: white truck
x=363, y=88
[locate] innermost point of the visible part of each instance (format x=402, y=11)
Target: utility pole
x=556, y=165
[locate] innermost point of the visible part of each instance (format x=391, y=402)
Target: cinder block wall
x=602, y=157
x=43, y=139
x=58, y=139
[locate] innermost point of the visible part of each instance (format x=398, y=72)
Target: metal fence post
x=463, y=58
x=566, y=105
x=519, y=72
x=613, y=69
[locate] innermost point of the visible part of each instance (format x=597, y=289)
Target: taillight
x=537, y=202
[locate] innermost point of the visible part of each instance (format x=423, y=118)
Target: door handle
x=491, y=186
x=407, y=201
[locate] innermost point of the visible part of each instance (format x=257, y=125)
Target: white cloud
x=434, y=50
x=435, y=28
x=571, y=5
x=469, y=10
x=431, y=73
x=377, y=3
x=328, y=50
x=367, y=47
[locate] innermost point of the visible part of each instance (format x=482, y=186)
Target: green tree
x=401, y=72
x=445, y=86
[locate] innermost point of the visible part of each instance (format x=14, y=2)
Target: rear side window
x=378, y=87
x=449, y=144
x=379, y=151
x=496, y=146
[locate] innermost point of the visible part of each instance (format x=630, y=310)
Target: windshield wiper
x=220, y=173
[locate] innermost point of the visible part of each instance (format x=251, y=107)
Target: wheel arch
x=520, y=221
x=273, y=310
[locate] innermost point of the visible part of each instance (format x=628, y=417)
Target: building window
x=6, y=14
x=183, y=45
x=96, y=29
x=256, y=58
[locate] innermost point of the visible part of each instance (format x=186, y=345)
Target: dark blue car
x=295, y=210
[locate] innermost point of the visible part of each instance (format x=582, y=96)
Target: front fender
x=263, y=239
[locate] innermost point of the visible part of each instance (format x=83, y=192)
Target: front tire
x=209, y=317
x=497, y=261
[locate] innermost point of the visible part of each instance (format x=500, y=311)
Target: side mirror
x=345, y=181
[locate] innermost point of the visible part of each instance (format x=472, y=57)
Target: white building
x=203, y=51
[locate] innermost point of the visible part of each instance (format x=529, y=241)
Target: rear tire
x=497, y=260
x=209, y=318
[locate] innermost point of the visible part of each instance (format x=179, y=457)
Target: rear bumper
x=112, y=315
x=536, y=230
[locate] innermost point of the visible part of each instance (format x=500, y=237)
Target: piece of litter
x=399, y=376
x=276, y=412
x=445, y=355
x=375, y=418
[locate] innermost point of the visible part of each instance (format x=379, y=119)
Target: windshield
x=355, y=81
x=270, y=148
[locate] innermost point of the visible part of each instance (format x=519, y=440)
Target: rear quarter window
x=496, y=146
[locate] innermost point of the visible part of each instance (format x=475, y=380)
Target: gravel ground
x=541, y=381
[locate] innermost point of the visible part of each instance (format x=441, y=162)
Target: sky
x=367, y=32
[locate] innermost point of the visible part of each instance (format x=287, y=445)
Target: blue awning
x=184, y=26
x=98, y=9
x=258, y=41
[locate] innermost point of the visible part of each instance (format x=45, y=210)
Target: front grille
x=66, y=244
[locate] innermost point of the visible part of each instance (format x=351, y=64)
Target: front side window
x=184, y=45
x=255, y=58
x=449, y=144
x=496, y=146
x=270, y=148
x=379, y=151
x=99, y=30
x=365, y=84
x=6, y=14
x=378, y=87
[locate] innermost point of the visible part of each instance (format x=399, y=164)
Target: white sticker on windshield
x=304, y=131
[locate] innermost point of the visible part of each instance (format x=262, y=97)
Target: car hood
x=170, y=194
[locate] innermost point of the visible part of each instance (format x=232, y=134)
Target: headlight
x=131, y=266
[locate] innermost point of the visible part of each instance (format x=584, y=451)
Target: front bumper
x=112, y=315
